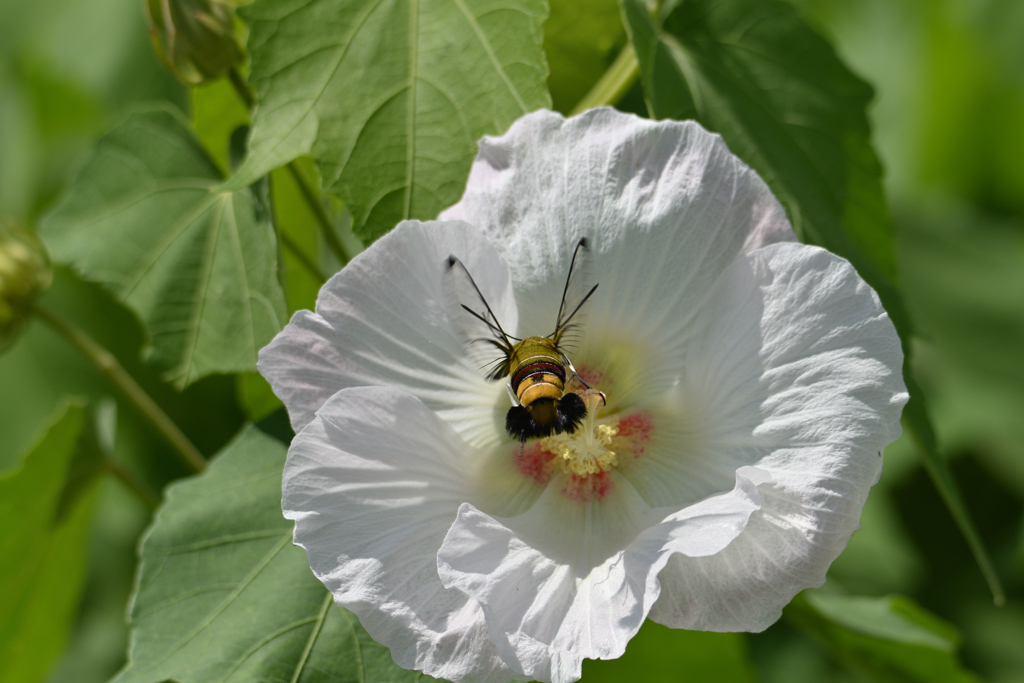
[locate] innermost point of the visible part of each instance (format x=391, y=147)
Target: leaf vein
x=247, y=296
x=410, y=154
x=328, y=599
x=200, y=300
x=344, y=45
x=249, y=578
x=486, y=45
x=173, y=234
x=267, y=639
x=214, y=542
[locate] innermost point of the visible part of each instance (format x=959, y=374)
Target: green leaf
x=255, y=396
x=970, y=103
x=62, y=109
x=198, y=266
x=881, y=557
x=965, y=285
x=89, y=461
x=216, y=111
x=223, y=595
x=755, y=72
x=389, y=96
x=300, y=234
x=658, y=654
x=581, y=39
x=42, y=551
x=776, y=91
x=218, y=116
x=888, y=639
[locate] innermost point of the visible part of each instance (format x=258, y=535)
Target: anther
x=586, y=451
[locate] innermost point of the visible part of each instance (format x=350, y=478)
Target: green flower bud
x=24, y=273
x=195, y=39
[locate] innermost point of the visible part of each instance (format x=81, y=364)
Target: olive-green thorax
x=537, y=370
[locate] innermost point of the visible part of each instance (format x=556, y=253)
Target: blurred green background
x=949, y=126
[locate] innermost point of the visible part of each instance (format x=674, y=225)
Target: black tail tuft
x=571, y=411
x=519, y=424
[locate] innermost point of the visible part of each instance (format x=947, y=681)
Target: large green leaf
x=390, y=96
x=216, y=111
x=581, y=38
x=755, y=72
x=970, y=104
x=965, y=285
x=64, y=66
x=658, y=654
x=889, y=639
x=223, y=595
x=217, y=114
x=42, y=550
x=197, y=265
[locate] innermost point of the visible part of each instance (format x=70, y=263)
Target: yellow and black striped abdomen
x=537, y=370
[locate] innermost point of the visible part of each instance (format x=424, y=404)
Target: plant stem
x=613, y=84
x=241, y=89
x=326, y=225
x=951, y=497
x=134, y=484
x=303, y=257
x=109, y=367
x=311, y=196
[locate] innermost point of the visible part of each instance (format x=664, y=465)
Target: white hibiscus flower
x=752, y=383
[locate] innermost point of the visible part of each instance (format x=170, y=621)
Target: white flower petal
x=570, y=580
x=667, y=208
x=785, y=548
x=752, y=384
x=797, y=371
x=373, y=484
x=382, y=321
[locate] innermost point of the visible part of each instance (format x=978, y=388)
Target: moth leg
x=576, y=376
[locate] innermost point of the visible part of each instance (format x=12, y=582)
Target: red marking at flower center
x=535, y=462
x=636, y=426
x=595, y=378
x=589, y=488
x=634, y=433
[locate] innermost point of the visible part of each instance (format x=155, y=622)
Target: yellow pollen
x=586, y=452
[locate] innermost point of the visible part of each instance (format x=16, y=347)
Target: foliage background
x=948, y=122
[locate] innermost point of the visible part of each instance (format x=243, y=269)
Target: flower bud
x=195, y=39
x=24, y=273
